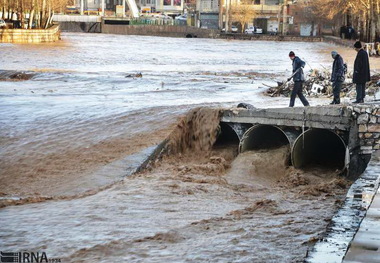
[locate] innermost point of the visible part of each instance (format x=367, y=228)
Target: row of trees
x=363, y=15
x=32, y=13
x=241, y=12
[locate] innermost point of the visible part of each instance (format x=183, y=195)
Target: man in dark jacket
x=337, y=76
x=361, y=72
x=298, y=78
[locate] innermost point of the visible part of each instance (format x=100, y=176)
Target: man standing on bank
x=337, y=76
x=361, y=72
x=298, y=78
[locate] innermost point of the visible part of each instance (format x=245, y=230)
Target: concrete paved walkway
x=365, y=247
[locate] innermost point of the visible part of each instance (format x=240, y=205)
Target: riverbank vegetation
x=31, y=13
x=363, y=15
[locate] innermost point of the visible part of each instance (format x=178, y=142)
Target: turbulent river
x=87, y=107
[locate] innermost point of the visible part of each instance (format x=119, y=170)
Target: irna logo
x=22, y=257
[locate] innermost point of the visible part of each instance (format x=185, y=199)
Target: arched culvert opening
x=319, y=148
x=190, y=35
x=227, y=136
x=227, y=143
x=263, y=137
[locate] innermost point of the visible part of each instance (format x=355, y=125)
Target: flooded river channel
x=67, y=133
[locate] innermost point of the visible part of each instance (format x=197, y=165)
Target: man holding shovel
x=298, y=78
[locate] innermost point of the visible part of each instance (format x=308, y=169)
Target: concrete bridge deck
x=339, y=118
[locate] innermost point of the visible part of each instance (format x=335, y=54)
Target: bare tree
x=243, y=14
x=39, y=12
x=366, y=14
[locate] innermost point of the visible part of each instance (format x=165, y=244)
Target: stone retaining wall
x=86, y=27
x=368, y=120
x=51, y=34
x=270, y=37
x=338, y=41
x=159, y=30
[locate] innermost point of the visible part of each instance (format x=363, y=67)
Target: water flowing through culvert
x=263, y=137
x=200, y=202
x=319, y=148
x=313, y=148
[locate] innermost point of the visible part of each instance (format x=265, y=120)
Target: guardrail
x=157, y=21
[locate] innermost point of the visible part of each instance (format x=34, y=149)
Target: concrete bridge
x=340, y=138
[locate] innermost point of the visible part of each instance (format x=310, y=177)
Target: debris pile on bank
x=13, y=75
x=318, y=84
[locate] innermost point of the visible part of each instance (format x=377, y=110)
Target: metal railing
x=157, y=21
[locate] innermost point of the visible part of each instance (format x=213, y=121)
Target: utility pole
x=103, y=8
x=221, y=5
x=81, y=7
x=123, y=7
x=284, y=17
x=279, y=19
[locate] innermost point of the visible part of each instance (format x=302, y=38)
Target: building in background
x=169, y=7
x=207, y=13
x=271, y=15
x=268, y=12
x=89, y=6
x=147, y=6
x=306, y=23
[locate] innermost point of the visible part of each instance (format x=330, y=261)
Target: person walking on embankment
x=337, y=76
x=298, y=78
x=361, y=72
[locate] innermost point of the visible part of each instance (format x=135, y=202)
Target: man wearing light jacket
x=298, y=78
x=337, y=76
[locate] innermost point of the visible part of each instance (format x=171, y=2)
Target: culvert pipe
x=266, y=137
x=231, y=132
x=319, y=148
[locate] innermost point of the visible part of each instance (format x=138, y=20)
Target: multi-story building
x=271, y=15
x=170, y=7
x=268, y=14
x=207, y=12
x=305, y=22
x=89, y=5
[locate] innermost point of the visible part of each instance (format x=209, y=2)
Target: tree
x=39, y=12
x=364, y=13
x=243, y=14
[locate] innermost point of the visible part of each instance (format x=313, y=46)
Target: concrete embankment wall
x=339, y=41
x=270, y=37
x=159, y=30
x=86, y=27
x=78, y=23
x=30, y=35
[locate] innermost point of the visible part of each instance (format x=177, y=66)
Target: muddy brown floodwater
x=67, y=133
x=199, y=203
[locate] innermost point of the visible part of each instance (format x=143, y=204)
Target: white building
x=169, y=7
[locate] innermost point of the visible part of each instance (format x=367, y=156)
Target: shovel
x=279, y=88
